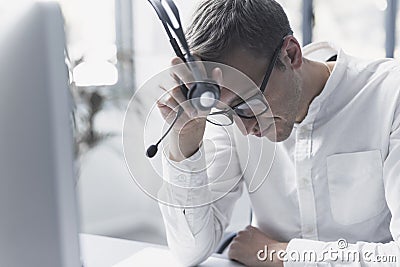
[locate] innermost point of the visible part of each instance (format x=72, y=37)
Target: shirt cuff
x=188, y=173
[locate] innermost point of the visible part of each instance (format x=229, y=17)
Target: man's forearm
x=183, y=145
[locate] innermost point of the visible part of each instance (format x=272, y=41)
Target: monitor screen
x=38, y=208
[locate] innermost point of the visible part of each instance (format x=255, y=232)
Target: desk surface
x=100, y=251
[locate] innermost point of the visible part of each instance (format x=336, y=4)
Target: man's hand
x=246, y=246
x=187, y=133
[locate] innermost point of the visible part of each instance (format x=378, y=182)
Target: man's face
x=282, y=94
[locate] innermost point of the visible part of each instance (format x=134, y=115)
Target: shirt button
x=182, y=178
x=305, y=181
x=308, y=230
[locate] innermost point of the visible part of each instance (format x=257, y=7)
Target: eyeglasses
x=251, y=107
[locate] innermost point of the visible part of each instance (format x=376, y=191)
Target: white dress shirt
x=336, y=176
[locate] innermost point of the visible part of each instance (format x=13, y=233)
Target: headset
x=203, y=93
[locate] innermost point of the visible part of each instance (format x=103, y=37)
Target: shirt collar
x=332, y=82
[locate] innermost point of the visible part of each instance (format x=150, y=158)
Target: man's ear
x=291, y=48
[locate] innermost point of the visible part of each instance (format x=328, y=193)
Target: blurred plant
x=88, y=102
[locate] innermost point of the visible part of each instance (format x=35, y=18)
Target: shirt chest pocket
x=355, y=184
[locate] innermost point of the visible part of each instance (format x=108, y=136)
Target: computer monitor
x=38, y=208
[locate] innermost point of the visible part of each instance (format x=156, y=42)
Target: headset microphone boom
x=203, y=94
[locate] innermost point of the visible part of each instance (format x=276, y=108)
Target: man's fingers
x=175, y=97
x=182, y=74
x=180, y=71
x=169, y=113
x=165, y=111
x=234, y=250
x=183, y=102
x=184, y=71
x=216, y=75
x=200, y=65
x=167, y=100
x=176, y=61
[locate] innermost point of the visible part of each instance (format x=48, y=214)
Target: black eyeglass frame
x=262, y=88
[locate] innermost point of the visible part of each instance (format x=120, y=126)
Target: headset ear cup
x=209, y=88
x=216, y=89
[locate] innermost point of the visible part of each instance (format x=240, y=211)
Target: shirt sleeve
x=360, y=254
x=201, y=192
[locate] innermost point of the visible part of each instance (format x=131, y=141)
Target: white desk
x=100, y=251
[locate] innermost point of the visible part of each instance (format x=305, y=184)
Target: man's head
x=244, y=34
x=220, y=25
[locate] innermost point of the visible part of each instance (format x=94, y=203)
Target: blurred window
x=294, y=11
x=90, y=30
x=357, y=26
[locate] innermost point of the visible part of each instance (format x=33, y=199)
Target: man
x=335, y=173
